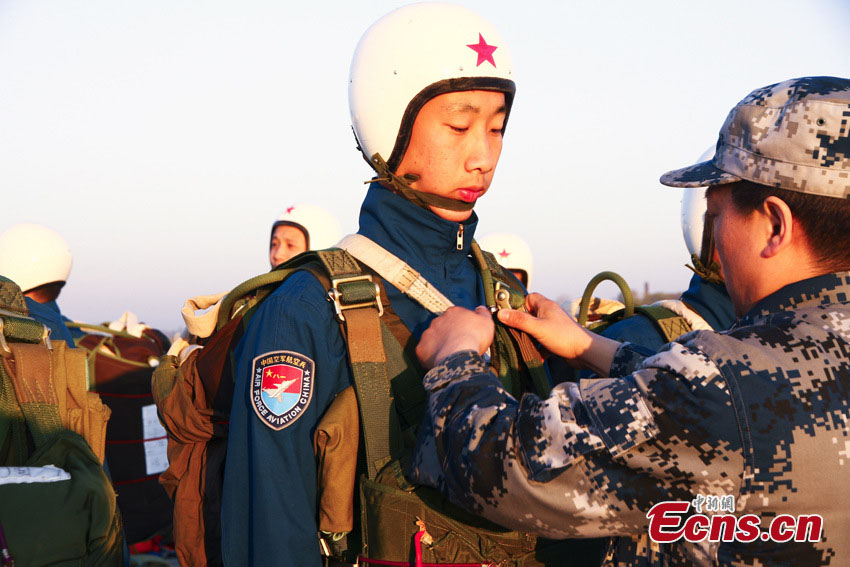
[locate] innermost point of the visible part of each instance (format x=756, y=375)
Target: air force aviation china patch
x=281, y=387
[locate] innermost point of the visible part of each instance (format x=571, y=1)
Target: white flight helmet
x=694, y=206
x=511, y=251
x=32, y=255
x=321, y=229
x=410, y=56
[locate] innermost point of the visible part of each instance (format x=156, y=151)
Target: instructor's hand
x=455, y=330
x=560, y=334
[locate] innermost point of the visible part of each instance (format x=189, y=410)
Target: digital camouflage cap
x=792, y=135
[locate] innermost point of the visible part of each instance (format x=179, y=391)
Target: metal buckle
x=502, y=296
x=334, y=295
x=45, y=338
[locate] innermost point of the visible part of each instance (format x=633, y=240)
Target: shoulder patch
x=281, y=387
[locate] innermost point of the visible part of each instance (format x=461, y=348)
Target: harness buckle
x=502, y=297
x=362, y=292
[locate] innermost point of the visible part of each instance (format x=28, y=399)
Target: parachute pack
x=58, y=505
x=398, y=524
x=121, y=357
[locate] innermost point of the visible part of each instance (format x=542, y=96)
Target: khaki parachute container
x=57, y=502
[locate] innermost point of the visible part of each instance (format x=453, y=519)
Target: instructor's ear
x=778, y=214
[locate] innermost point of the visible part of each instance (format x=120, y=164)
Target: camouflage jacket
x=759, y=413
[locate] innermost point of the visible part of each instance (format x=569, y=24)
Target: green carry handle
x=628, y=300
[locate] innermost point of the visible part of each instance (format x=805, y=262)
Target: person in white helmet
x=512, y=252
x=39, y=260
x=301, y=227
x=430, y=91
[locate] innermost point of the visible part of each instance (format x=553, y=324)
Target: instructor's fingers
x=518, y=320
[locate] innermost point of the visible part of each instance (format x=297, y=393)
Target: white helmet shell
x=694, y=206
x=320, y=227
x=510, y=251
x=410, y=56
x=32, y=255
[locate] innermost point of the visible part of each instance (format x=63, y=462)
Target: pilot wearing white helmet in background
x=512, y=252
x=301, y=227
x=39, y=260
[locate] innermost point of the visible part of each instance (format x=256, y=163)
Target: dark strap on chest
x=510, y=347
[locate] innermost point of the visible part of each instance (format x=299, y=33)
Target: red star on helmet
x=484, y=51
x=289, y=210
x=504, y=253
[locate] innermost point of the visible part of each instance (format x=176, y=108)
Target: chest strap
x=396, y=271
x=358, y=307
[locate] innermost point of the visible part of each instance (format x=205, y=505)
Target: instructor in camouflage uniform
x=755, y=418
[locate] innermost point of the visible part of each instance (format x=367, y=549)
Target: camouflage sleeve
x=589, y=460
x=627, y=359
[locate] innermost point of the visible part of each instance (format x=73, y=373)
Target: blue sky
x=162, y=138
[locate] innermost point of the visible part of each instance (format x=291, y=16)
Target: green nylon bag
x=67, y=522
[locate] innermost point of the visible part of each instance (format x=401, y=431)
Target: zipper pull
x=460, y=237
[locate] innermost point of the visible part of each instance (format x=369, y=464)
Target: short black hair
x=45, y=293
x=825, y=220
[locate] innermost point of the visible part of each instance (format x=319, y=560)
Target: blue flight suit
x=49, y=314
x=269, y=502
x=710, y=301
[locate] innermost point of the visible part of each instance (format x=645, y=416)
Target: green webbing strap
x=359, y=308
x=505, y=348
x=11, y=298
x=669, y=323
x=584, y=306
x=20, y=329
x=402, y=186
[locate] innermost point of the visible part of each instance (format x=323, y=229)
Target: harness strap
x=396, y=271
x=360, y=317
x=525, y=348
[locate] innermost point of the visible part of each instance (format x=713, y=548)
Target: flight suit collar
x=820, y=290
x=412, y=233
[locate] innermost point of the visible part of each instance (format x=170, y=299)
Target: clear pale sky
x=162, y=138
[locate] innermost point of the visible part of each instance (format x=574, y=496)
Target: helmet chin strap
x=704, y=265
x=401, y=185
